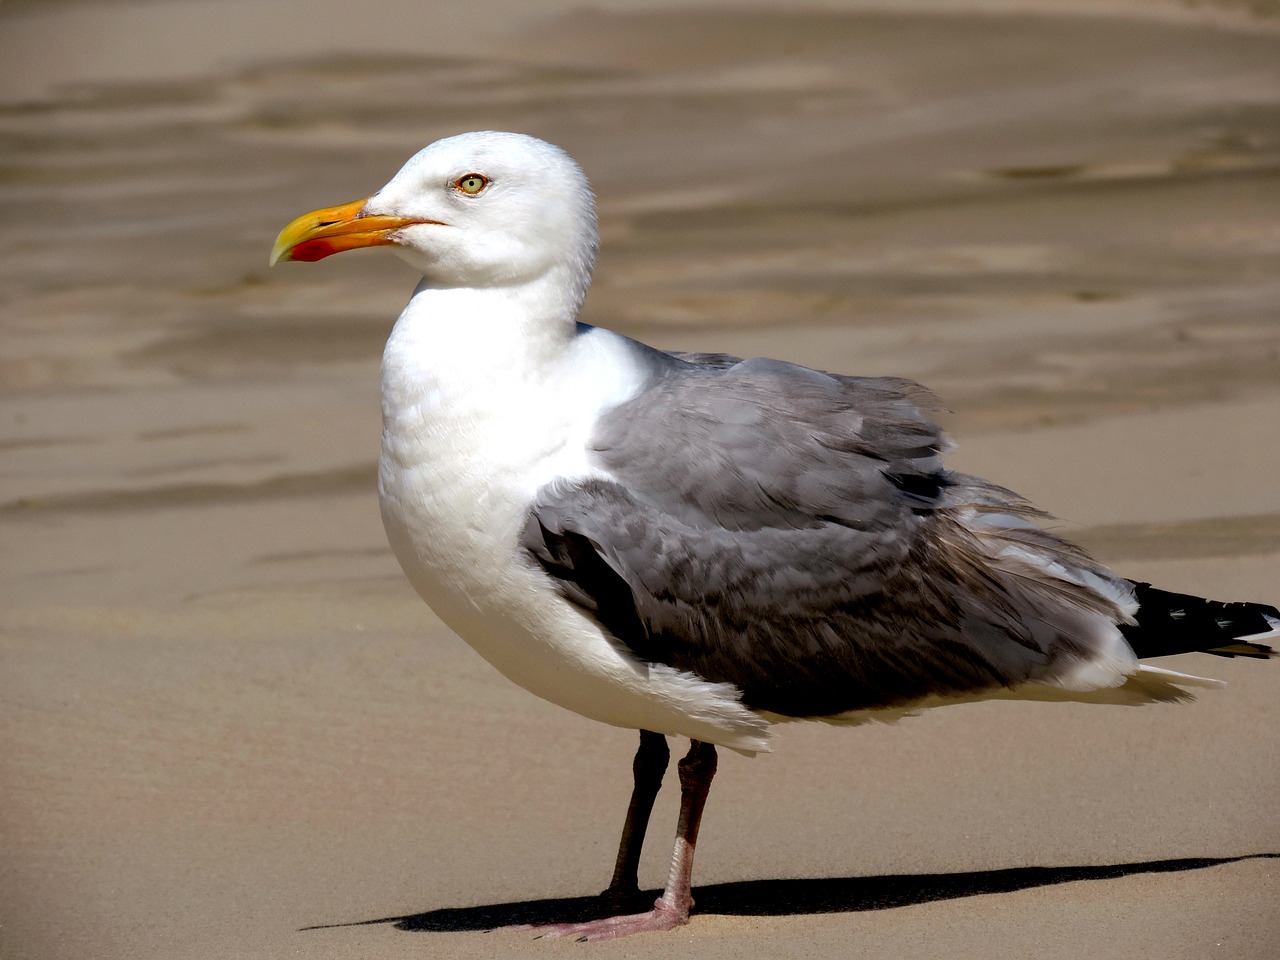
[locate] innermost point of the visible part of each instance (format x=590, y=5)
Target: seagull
x=696, y=545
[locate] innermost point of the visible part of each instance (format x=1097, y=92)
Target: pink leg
x=647, y=769
x=672, y=908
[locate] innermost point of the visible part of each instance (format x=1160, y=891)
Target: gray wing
x=795, y=534
x=763, y=442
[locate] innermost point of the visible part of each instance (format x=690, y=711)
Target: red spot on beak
x=309, y=251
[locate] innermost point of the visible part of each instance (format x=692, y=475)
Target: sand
x=228, y=728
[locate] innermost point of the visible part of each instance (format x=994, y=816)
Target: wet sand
x=224, y=718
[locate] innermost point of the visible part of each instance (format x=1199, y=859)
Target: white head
x=479, y=210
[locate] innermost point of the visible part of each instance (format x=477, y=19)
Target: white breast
x=472, y=429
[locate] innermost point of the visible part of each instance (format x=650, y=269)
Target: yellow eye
x=472, y=183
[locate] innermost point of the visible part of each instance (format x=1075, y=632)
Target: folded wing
x=795, y=534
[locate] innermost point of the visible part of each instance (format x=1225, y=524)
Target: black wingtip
x=1171, y=623
x=1255, y=651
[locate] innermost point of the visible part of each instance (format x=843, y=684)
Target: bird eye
x=472, y=183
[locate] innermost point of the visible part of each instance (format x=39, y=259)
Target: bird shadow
x=783, y=897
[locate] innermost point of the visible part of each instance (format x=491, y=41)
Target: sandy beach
x=229, y=729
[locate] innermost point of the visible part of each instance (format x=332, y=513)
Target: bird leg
x=672, y=908
x=647, y=768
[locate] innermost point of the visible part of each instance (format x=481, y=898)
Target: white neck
x=500, y=376
x=488, y=394
x=479, y=341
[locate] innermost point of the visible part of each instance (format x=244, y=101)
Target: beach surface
x=228, y=728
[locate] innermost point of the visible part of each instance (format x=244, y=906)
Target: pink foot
x=663, y=916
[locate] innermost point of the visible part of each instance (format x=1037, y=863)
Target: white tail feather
x=1181, y=679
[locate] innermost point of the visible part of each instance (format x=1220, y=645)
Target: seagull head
x=478, y=209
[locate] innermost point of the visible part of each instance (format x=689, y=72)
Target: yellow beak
x=320, y=233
